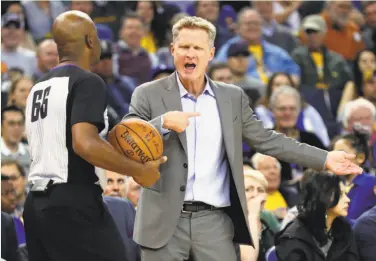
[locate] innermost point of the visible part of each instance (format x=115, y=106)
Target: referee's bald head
x=76, y=37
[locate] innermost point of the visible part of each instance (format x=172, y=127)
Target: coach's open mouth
x=189, y=66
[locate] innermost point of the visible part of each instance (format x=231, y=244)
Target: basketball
x=137, y=139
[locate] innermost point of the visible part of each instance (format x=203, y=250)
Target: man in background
x=47, y=57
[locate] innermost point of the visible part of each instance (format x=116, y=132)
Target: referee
x=65, y=217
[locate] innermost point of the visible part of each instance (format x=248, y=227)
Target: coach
x=198, y=206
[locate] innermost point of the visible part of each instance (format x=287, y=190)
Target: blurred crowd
x=308, y=68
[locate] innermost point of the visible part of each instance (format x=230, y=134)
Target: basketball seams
x=118, y=143
x=146, y=145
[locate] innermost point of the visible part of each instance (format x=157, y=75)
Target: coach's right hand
x=150, y=174
x=177, y=120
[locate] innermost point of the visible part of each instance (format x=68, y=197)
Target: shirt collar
x=359, y=179
x=6, y=152
x=184, y=92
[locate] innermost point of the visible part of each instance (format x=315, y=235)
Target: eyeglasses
x=14, y=177
x=283, y=108
x=15, y=123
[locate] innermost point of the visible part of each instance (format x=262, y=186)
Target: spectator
x=369, y=33
x=129, y=51
x=339, y=26
x=40, y=15
x=292, y=213
x=48, y=57
x=267, y=58
x=361, y=189
x=28, y=41
x=17, y=177
x=320, y=67
x=132, y=191
x=255, y=186
x=220, y=72
x=364, y=66
x=285, y=103
x=115, y=186
x=19, y=91
x=209, y=10
x=119, y=87
x=359, y=111
x=320, y=231
x=273, y=32
x=287, y=13
x=308, y=120
x=369, y=88
x=12, y=128
x=365, y=234
x=12, y=54
x=155, y=26
x=280, y=197
x=162, y=71
x=110, y=14
x=238, y=62
x=8, y=195
x=83, y=6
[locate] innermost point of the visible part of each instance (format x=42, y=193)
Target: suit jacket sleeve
x=140, y=108
x=10, y=251
x=276, y=144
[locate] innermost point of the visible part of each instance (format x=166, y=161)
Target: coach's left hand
x=341, y=163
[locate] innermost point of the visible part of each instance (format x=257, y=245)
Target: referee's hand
x=151, y=174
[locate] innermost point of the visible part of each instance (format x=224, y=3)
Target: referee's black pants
x=70, y=222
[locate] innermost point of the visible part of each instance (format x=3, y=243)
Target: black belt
x=196, y=206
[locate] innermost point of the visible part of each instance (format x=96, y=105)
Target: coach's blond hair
x=194, y=22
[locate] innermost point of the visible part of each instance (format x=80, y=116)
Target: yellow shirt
x=258, y=55
x=148, y=43
x=318, y=59
x=275, y=201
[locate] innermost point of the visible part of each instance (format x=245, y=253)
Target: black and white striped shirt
x=63, y=97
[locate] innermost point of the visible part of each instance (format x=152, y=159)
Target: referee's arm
x=87, y=120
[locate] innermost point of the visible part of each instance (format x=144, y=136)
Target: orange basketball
x=137, y=139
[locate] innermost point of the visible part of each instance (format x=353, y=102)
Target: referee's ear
x=89, y=42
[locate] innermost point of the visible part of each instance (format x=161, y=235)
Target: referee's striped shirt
x=63, y=97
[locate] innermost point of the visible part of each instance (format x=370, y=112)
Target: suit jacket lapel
x=172, y=102
x=225, y=113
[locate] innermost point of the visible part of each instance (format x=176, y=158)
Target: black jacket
x=295, y=243
x=9, y=244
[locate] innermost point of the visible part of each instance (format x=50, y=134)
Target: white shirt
x=208, y=179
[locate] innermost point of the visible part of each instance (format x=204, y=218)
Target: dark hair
x=265, y=100
x=358, y=140
x=320, y=191
x=159, y=24
x=358, y=75
x=132, y=15
x=13, y=108
x=216, y=66
x=8, y=162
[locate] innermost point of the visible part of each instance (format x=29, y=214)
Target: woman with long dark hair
x=364, y=65
x=360, y=188
x=155, y=26
x=320, y=232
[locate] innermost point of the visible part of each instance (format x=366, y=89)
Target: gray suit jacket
x=160, y=205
